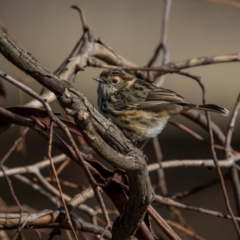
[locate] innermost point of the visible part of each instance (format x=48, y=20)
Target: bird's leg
x=144, y=143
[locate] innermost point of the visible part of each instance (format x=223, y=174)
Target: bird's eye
x=115, y=81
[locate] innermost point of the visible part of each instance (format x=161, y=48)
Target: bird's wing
x=162, y=94
x=161, y=98
x=144, y=95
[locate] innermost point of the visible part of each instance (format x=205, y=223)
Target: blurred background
x=50, y=29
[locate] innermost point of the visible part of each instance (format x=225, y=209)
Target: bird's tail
x=213, y=108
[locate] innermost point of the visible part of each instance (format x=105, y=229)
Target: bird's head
x=114, y=80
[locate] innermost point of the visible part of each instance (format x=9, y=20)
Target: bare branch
x=170, y=202
x=225, y=163
x=139, y=183
x=47, y=219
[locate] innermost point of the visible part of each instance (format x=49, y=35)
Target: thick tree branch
x=47, y=219
x=133, y=162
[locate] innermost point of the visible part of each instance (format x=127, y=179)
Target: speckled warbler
x=140, y=109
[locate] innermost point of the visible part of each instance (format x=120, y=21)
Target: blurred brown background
x=49, y=30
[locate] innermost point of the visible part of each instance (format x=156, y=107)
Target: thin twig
x=61, y=125
x=162, y=223
x=57, y=181
x=161, y=178
x=193, y=134
x=196, y=189
x=162, y=182
x=185, y=230
x=214, y=155
x=163, y=45
x=14, y=146
x=231, y=127
x=225, y=163
x=163, y=40
x=219, y=172
x=61, y=67
x=170, y=202
x=228, y=150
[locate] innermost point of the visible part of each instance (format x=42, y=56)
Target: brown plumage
x=140, y=109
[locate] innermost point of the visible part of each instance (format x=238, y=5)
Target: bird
x=140, y=109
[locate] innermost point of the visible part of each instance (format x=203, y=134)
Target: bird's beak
x=98, y=79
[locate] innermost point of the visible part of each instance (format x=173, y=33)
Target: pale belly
x=154, y=131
